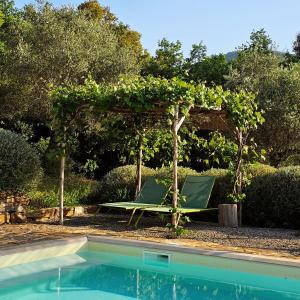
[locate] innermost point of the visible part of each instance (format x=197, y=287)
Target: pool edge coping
x=36, y=245
x=198, y=251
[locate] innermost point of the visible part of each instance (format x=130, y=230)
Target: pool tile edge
x=199, y=251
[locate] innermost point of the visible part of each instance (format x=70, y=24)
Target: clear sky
x=221, y=24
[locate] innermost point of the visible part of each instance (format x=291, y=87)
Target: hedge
x=273, y=197
x=221, y=187
x=292, y=160
x=273, y=200
x=166, y=172
x=119, y=184
x=19, y=163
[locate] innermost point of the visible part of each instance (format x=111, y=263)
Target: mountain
x=231, y=56
x=234, y=54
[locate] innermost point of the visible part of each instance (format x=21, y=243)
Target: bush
x=78, y=190
x=167, y=172
x=274, y=199
x=19, y=162
x=221, y=187
x=259, y=169
x=292, y=160
x=119, y=184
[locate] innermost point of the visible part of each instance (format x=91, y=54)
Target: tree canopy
x=55, y=46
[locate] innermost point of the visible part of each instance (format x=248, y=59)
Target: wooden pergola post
x=175, y=162
x=138, y=184
x=62, y=177
x=176, y=124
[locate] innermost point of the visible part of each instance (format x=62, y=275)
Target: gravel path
x=275, y=242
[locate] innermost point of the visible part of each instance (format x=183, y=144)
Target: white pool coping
x=31, y=252
x=193, y=250
x=13, y=255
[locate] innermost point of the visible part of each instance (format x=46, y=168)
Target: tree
x=127, y=37
x=296, y=46
x=260, y=42
x=56, y=46
x=92, y=9
x=278, y=94
x=168, y=61
x=212, y=69
x=197, y=54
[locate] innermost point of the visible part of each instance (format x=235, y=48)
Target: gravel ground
x=274, y=242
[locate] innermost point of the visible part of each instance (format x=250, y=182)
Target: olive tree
x=56, y=46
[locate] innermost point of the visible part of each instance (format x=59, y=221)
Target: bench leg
x=138, y=219
x=97, y=211
x=131, y=217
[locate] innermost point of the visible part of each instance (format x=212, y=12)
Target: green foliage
x=223, y=182
x=260, y=42
x=119, y=184
x=57, y=46
x=92, y=9
x=292, y=160
x=222, y=186
x=277, y=88
x=259, y=169
x=274, y=199
x=296, y=46
x=78, y=190
x=168, y=61
x=166, y=172
x=1, y=18
x=19, y=162
x=211, y=69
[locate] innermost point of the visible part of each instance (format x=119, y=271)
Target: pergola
x=171, y=102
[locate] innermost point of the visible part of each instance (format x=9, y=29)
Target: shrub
x=292, y=160
x=273, y=199
x=19, y=162
x=78, y=190
x=221, y=187
x=119, y=184
x=166, y=172
x=259, y=169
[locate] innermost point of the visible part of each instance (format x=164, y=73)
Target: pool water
x=91, y=275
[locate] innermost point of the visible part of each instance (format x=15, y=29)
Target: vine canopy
x=144, y=94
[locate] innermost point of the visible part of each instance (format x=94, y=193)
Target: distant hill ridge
x=234, y=54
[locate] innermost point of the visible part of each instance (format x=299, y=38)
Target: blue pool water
x=99, y=276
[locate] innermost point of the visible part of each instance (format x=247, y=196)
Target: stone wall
x=52, y=213
x=13, y=210
x=13, y=207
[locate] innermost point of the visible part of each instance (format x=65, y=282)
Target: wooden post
x=138, y=184
x=175, y=162
x=238, y=180
x=62, y=178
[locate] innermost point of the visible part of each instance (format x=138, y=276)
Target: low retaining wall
x=47, y=214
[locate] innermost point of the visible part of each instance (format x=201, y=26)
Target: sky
x=222, y=25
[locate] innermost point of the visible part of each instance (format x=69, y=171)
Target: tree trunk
x=138, y=184
x=228, y=215
x=238, y=182
x=62, y=179
x=175, y=162
x=61, y=189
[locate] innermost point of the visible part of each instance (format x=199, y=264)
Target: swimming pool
x=106, y=269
